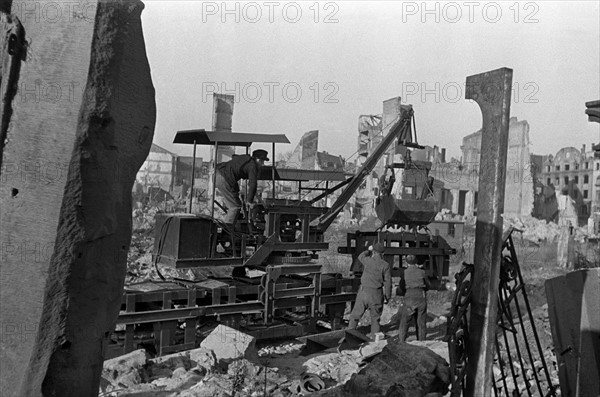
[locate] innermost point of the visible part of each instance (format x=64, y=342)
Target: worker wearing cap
x=413, y=302
x=228, y=175
x=375, y=287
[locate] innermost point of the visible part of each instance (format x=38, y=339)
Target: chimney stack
x=443, y=155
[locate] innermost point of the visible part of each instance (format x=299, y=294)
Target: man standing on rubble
x=375, y=287
x=228, y=175
x=413, y=301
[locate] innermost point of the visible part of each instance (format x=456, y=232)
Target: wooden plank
x=560, y=304
x=129, y=328
x=232, y=294
x=216, y=296
x=166, y=328
x=177, y=348
x=584, y=286
x=190, y=323
x=305, y=228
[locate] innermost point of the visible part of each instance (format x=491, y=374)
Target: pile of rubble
x=528, y=374
x=538, y=230
x=228, y=364
x=142, y=219
x=225, y=364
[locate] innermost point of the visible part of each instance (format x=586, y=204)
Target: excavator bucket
x=413, y=212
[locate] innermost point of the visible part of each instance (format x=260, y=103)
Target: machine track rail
x=286, y=301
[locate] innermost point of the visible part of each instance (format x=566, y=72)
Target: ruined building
x=577, y=173
x=306, y=156
x=456, y=182
x=520, y=173
x=167, y=175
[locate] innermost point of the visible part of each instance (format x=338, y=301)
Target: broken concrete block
x=228, y=344
x=124, y=371
x=401, y=367
x=75, y=139
x=203, y=358
x=179, y=373
x=135, y=359
x=336, y=366
x=172, y=361
x=437, y=346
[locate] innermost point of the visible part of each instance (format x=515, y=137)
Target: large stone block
x=229, y=344
x=81, y=126
x=413, y=370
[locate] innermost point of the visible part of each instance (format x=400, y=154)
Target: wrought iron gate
x=519, y=366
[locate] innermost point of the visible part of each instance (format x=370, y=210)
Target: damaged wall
x=304, y=156
x=461, y=180
x=518, y=199
x=65, y=194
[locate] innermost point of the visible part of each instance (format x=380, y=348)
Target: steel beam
x=492, y=92
x=183, y=313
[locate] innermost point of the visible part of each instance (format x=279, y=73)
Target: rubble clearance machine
x=291, y=297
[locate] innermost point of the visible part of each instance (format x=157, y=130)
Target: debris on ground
x=223, y=366
x=228, y=344
x=402, y=367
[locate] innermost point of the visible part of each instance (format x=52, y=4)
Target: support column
x=492, y=92
x=222, y=120
x=66, y=216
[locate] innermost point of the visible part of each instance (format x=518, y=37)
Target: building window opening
x=451, y=229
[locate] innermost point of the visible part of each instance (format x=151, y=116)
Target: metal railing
x=520, y=368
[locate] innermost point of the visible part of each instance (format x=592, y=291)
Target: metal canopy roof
x=593, y=111
x=289, y=174
x=203, y=137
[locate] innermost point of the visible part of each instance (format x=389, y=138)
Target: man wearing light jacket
x=375, y=287
x=413, y=302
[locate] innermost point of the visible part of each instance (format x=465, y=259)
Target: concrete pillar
x=469, y=203
x=495, y=109
x=68, y=167
x=455, y=195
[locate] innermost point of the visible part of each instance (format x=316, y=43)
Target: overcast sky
x=303, y=66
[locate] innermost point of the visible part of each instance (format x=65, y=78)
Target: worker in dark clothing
x=228, y=175
x=413, y=302
x=375, y=287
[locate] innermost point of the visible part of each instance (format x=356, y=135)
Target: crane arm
x=400, y=129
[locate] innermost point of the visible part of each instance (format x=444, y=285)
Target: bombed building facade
x=576, y=173
x=166, y=175
x=456, y=181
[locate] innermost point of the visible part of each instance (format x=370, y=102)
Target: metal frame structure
x=292, y=293
x=216, y=138
x=516, y=343
x=166, y=314
x=432, y=252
